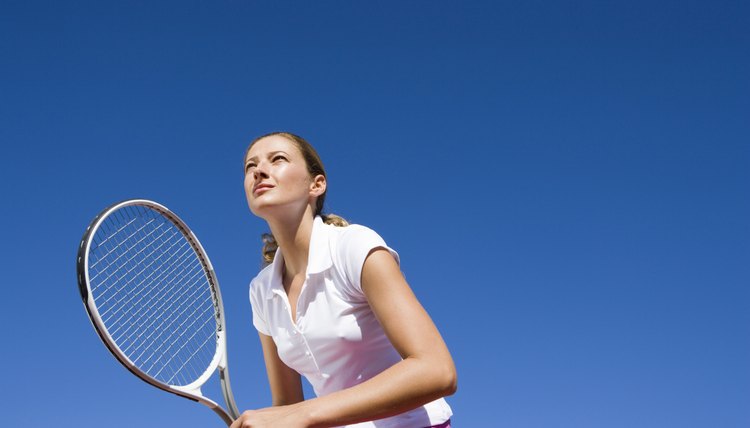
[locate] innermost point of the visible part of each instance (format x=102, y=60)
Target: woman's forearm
x=402, y=387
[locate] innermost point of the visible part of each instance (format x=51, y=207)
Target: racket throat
x=190, y=390
x=196, y=394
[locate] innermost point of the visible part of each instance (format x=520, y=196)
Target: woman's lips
x=261, y=188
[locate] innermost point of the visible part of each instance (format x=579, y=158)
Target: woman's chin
x=268, y=210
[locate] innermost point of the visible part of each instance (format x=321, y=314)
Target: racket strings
x=128, y=265
x=168, y=349
x=140, y=305
x=138, y=348
x=153, y=294
x=189, y=358
x=105, y=241
x=162, y=330
x=115, y=247
x=128, y=284
x=147, y=310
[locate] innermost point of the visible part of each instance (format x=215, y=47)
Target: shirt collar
x=318, y=259
x=319, y=256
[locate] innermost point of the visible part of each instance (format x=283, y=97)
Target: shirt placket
x=297, y=336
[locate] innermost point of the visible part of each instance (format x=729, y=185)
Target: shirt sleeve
x=354, y=246
x=256, y=303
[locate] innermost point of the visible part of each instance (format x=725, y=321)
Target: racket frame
x=191, y=391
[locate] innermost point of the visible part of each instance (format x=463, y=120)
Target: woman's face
x=276, y=176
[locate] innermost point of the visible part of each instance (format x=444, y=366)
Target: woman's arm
x=425, y=373
x=285, y=383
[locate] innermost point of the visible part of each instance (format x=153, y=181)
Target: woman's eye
x=249, y=166
x=278, y=157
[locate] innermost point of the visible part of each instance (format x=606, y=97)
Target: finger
x=238, y=422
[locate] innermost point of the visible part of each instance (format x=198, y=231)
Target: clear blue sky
x=566, y=183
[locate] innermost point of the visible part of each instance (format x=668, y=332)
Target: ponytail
x=334, y=220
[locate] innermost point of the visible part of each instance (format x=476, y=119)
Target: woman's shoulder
x=352, y=232
x=352, y=244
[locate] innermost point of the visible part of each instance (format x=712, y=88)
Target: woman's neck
x=293, y=234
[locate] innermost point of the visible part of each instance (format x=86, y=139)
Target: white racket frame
x=191, y=391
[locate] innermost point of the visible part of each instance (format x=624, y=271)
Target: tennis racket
x=153, y=298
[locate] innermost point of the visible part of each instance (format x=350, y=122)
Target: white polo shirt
x=336, y=341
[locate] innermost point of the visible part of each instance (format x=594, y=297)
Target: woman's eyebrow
x=255, y=158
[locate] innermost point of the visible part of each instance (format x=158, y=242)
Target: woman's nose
x=260, y=171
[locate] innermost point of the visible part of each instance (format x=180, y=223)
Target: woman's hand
x=291, y=416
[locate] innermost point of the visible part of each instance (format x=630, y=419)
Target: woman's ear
x=318, y=185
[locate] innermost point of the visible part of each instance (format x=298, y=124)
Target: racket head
x=152, y=296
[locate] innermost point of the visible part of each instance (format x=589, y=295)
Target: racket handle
x=223, y=415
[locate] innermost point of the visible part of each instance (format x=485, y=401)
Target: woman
x=333, y=306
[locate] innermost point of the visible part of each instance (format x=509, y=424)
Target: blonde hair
x=314, y=168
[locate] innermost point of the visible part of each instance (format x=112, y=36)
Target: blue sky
x=566, y=183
